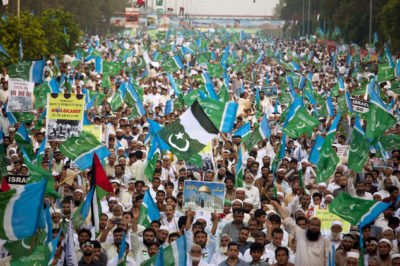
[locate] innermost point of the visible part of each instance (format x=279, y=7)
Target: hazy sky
x=222, y=7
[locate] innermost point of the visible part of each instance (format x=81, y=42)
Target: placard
x=360, y=106
x=20, y=95
x=203, y=196
x=64, y=116
x=95, y=130
x=327, y=218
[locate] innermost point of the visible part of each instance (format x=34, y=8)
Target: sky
x=222, y=7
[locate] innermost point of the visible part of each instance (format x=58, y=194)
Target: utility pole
x=302, y=21
x=18, y=8
x=370, y=22
x=308, y=18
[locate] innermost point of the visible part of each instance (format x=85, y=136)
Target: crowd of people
x=270, y=220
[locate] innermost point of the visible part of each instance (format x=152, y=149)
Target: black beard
x=384, y=256
x=77, y=203
x=311, y=236
x=87, y=254
x=220, y=177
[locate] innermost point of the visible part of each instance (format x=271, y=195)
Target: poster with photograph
x=64, y=116
x=203, y=196
x=208, y=161
x=20, y=95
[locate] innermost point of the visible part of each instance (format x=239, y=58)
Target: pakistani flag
x=262, y=132
x=355, y=210
x=299, y=123
x=223, y=115
x=106, y=67
x=379, y=118
x=174, y=254
x=172, y=64
x=140, y=64
x=359, y=148
x=190, y=133
x=328, y=158
x=20, y=248
x=390, y=142
x=23, y=140
x=20, y=210
x=80, y=149
x=148, y=211
x=27, y=70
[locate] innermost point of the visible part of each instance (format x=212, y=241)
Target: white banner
x=20, y=95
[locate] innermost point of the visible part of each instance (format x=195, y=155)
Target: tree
x=390, y=21
x=27, y=28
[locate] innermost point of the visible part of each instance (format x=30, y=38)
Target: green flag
x=359, y=148
x=117, y=100
x=379, y=118
x=39, y=256
x=328, y=158
x=385, y=72
x=355, y=210
x=223, y=94
x=215, y=70
x=172, y=64
x=140, y=63
x=300, y=123
x=390, y=142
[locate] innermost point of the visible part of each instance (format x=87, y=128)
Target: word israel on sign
x=360, y=106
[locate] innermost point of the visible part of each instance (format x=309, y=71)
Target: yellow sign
x=95, y=130
x=65, y=106
x=327, y=218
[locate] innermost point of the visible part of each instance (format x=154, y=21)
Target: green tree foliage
x=390, y=21
x=93, y=16
x=350, y=16
x=27, y=28
x=41, y=36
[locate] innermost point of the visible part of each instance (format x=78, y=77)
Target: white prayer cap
x=395, y=256
x=248, y=201
x=251, y=157
x=55, y=210
x=79, y=190
x=337, y=223
x=278, y=193
x=121, y=148
x=281, y=169
x=353, y=254
x=240, y=189
x=163, y=227
x=386, y=240
x=241, y=202
x=322, y=184
x=14, y=154
x=329, y=196
x=12, y=149
x=112, y=199
x=387, y=228
x=116, y=181
x=377, y=194
x=119, y=130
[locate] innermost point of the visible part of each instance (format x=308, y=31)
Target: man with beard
x=195, y=255
x=78, y=197
x=88, y=254
x=230, y=192
x=221, y=254
x=361, y=193
x=371, y=245
x=384, y=248
x=140, y=247
x=162, y=236
x=264, y=177
x=310, y=242
x=336, y=233
x=251, y=191
x=346, y=245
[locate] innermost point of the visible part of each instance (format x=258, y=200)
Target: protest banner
x=327, y=218
x=203, y=196
x=20, y=95
x=207, y=158
x=64, y=116
x=360, y=106
x=15, y=181
x=95, y=130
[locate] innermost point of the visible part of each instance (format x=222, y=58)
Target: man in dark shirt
x=88, y=255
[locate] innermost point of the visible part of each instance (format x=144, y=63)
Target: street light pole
x=370, y=22
x=302, y=20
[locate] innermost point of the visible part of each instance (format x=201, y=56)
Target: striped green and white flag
x=359, y=148
x=174, y=254
x=190, y=133
x=222, y=114
x=148, y=211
